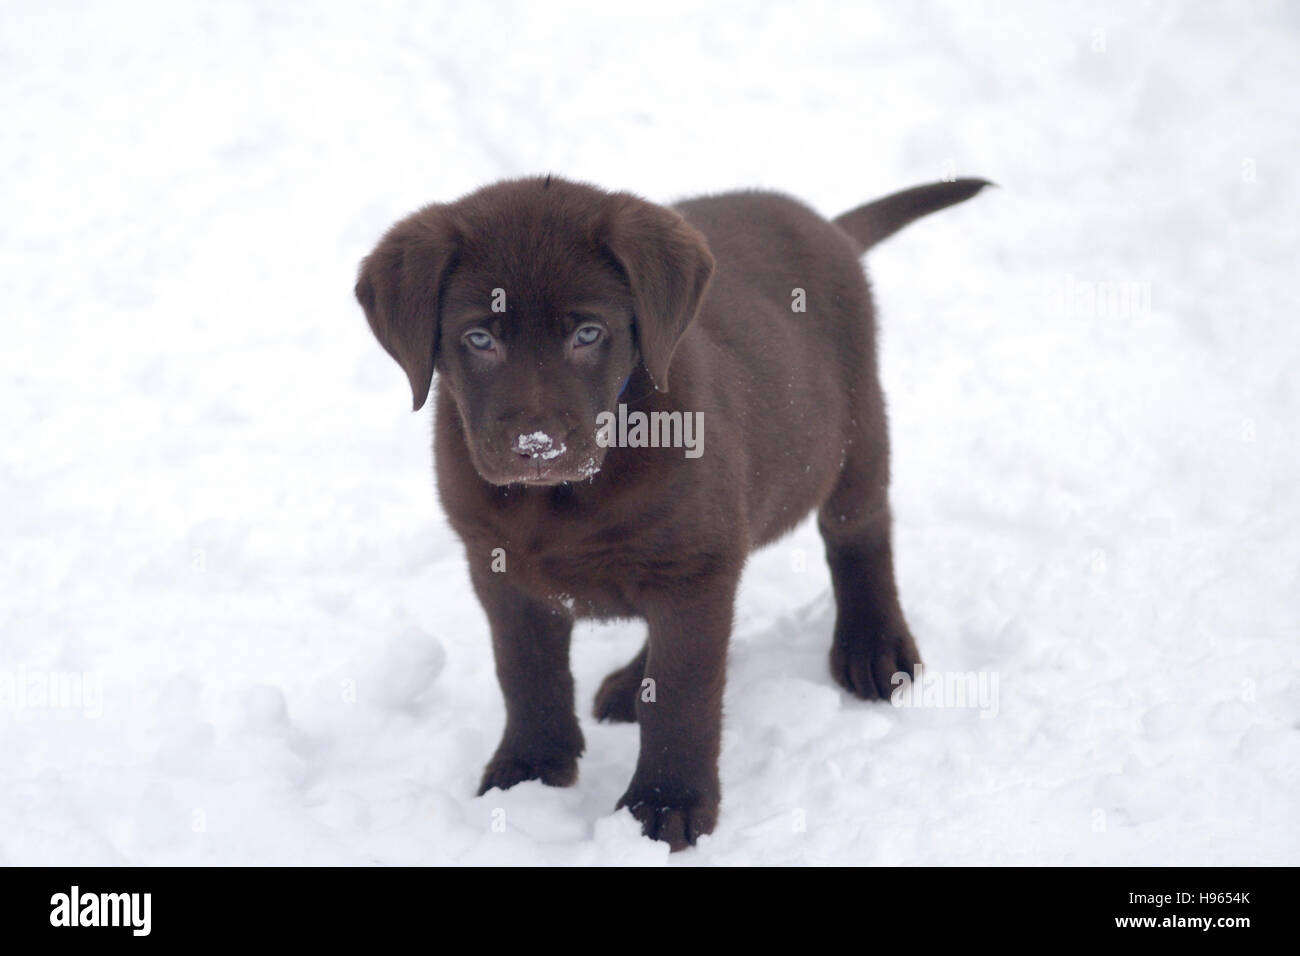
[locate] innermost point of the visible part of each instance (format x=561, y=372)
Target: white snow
x=219, y=511
x=540, y=445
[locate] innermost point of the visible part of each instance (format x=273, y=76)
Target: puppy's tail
x=870, y=223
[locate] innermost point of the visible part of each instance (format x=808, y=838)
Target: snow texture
x=236, y=628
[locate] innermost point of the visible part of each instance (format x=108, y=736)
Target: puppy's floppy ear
x=398, y=287
x=668, y=266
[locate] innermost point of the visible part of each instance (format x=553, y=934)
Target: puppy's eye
x=587, y=335
x=480, y=340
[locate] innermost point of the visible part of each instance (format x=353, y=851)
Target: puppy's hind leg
x=872, y=641
x=616, y=699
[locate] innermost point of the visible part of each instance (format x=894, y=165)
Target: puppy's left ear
x=668, y=266
x=398, y=287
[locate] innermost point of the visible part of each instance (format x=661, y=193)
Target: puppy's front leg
x=530, y=642
x=674, y=791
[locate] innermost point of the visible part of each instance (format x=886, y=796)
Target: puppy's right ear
x=398, y=287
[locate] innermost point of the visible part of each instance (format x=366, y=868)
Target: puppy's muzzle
x=539, y=455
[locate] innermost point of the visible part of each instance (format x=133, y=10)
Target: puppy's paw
x=865, y=667
x=508, y=768
x=679, y=823
x=616, y=699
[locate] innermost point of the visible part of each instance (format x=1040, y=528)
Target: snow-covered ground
x=216, y=506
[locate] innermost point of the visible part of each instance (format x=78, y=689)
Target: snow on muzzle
x=546, y=456
x=539, y=445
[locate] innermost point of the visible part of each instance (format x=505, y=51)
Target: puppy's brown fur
x=542, y=303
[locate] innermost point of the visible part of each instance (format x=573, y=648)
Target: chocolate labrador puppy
x=587, y=343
